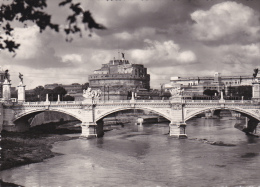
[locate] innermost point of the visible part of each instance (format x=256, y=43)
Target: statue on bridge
x=177, y=91
x=7, y=76
x=21, y=78
x=89, y=93
x=255, y=74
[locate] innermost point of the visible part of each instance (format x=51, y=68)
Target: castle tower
x=118, y=78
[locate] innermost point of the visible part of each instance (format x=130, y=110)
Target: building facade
x=118, y=78
x=70, y=88
x=195, y=86
x=226, y=80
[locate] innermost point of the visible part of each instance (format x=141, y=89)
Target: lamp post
x=104, y=93
x=108, y=93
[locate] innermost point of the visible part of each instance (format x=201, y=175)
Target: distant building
x=226, y=80
x=195, y=86
x=118, y=78
x=70, y=88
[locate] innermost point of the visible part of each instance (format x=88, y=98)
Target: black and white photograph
x=133, y=93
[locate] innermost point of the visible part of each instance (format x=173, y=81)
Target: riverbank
x=32, y=146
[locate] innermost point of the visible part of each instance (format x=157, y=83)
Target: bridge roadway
x=91, y=112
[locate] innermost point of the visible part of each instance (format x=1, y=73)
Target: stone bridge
x=91, y=112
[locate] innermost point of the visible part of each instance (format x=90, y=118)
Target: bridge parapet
x=91, y=111
x=14, y=101
x=218, y=101
x=132, y=101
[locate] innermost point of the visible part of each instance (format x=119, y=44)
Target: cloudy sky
x=170, y=37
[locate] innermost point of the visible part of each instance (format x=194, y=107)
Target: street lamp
x=105, y=86
x=108, y=93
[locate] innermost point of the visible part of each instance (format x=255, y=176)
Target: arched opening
x=33, y=134
x=130, y=119
x=52, y=122
x=222, y=113
x=230, y=125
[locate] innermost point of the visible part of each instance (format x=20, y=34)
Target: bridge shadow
x=48, y=122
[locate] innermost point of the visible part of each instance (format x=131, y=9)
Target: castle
x=118, y=78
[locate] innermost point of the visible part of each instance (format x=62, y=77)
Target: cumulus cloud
x=72, y=58
x=165, y=53
x=226, y=22
x=241, y=54
x=136, y=35
x=36, y=49
x=29, y=40
x=173, y=47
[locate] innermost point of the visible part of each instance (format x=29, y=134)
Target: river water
x=145, y=156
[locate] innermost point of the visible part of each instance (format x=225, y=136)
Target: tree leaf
x=63, y=3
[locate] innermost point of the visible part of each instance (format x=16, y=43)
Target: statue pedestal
x=21, y=93
x=256, y=91
x=6, y=90
x=176, y=99
x=87, y=101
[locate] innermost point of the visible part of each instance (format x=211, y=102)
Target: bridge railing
x=219, y=101
x=13, y=100
x=131, y=101
x=50, y=102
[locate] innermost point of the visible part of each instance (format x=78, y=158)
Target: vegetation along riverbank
x=35, y=145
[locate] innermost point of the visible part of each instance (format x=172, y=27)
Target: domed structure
x=118, y=78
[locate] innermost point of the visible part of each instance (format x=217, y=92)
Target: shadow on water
x=249, y=155
x=7, y=184
x=252, y=139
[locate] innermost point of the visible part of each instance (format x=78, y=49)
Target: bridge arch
x=20, y=115
x=240, y=110
x=131, y=108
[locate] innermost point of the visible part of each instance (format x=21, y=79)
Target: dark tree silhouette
x=59, y=90
x=210, y=92
x=38, y=90
x=240, y=91
x=68, y=98
x=26, y=11
x=44, y=92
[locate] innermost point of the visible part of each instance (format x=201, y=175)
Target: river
x=145, y=155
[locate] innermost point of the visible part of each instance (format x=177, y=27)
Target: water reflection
x=135, y=155
x=252, y=140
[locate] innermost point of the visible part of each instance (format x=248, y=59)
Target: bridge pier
x=88, y=130
x=91, y=130
x=251, y=126
x=178, y=130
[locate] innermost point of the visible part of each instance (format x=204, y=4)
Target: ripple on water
x=134, y=156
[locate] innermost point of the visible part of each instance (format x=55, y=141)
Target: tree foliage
x=39, y=94
x=210, y=92
x=58, y=91
x=245, y=91
x=34, y=11
x=38, y=90
x=68, y=98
